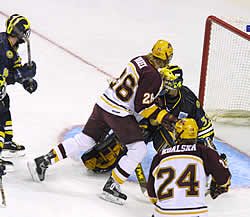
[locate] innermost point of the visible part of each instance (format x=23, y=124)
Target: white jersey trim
x=190, y=211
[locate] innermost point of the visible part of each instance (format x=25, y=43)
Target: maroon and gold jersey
x=178, y=177
x=134, y=92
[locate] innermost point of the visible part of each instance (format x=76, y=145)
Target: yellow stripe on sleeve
x=148, y=111
x=161, y=115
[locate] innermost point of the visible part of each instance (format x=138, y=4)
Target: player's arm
x=4, y=72
x=216, y=165
x=206, y=130
x=22, y=74
x=147, y=92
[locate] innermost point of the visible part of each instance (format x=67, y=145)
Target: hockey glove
x=208, y=142
x=169, y=121
x=30, y=85
x=28, y=72
x=2, y=168
x=216, y=190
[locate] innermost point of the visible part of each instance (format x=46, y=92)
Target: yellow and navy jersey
x=178, y=176
x=187, y=105
x=134, y=91
x=10, y=61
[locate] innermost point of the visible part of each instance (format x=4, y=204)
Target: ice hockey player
x=177, y=178
x=133, y=93
x=12, y=71
x=178, y=100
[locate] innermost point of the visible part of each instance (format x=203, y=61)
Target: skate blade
x=32, y=169
x=12, y=154
x=111, y=198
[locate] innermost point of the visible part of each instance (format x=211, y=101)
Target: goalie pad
x=105, y=156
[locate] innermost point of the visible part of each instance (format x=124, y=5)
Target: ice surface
x=107, y=34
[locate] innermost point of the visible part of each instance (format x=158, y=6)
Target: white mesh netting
x=227, y=88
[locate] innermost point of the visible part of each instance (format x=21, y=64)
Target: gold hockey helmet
x=186, y=130
x=163, y=50
x=17, y=26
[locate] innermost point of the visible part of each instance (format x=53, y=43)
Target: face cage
x=172, y=84
x=169, y=57
x=20, y=34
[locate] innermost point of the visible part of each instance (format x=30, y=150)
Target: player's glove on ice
x=30, y=85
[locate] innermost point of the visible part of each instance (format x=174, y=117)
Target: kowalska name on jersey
x=180, y=148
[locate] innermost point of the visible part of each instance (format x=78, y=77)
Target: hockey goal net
x=225, y=71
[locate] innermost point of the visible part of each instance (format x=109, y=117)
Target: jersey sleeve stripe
x=148, y=111
x=177, y=157
x=134, y=71
x=112, y=105
x=161, y=115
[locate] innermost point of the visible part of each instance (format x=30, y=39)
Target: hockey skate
x=12, y=150
x=112, y=193
x=38, y=168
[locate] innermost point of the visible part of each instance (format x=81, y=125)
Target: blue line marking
x=238, y=163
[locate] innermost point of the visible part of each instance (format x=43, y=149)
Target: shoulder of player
x=188, y=94
x=146, y=72
x=187, y=91
x=143, y=67
x=207, y=153
x=4, y=44
x=3, y=40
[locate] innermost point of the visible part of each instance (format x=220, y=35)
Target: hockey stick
x=28, y=45
x=2, y=192
x=28, y=52
x=141, y=178
x=139, y=171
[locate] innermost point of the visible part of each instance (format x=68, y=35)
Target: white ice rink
x=107, y=34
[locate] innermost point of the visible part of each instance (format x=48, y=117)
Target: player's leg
x=8, y=164
x=68, y=148
x=129, y=133
x=10, y=149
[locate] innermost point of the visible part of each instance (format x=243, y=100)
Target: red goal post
x=225, y=71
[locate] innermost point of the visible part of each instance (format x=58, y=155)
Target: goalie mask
x=186, y=131
x=18, y=26
x=172, y=78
